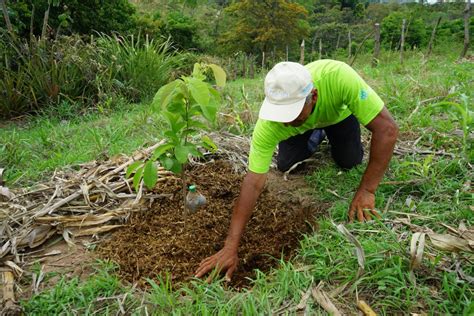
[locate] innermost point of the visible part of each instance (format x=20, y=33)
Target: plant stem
x=183, y=174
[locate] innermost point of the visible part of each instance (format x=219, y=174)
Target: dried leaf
x=417, y=247
x=365, y=308
x=67, y=238
x=16, y=269
x=93, y=231
x=325, y=302
x=5, y=194
x=8, y=288
x=304, y=299
x=466, y=233
x=37, y=236
x=359, y=250
x=449, y=243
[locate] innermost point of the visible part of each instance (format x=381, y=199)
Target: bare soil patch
x=162, y=240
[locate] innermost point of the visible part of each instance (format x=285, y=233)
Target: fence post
x=375, y=59
x=45, y=21
x=430, y=45
x=338, y=39
x=302, y=53
x=467, y=14
x=402, y=41
x=263, y=60
x=287, y=52
x=6, y=17
x=350, y=45
x=251, y=67
x=31, y=21
x=320, y=48
x=244, y=65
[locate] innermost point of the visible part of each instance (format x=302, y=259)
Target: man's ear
x=315, y=94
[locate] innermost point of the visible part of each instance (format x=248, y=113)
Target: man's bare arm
x=226, y=259
x=384, y=135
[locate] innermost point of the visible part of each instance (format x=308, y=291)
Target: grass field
x=428, y=183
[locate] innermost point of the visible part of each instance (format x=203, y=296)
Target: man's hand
x=364, y=205
x=384, y=135
x=226, y=260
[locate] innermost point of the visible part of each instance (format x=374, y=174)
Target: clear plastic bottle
x=194, y=200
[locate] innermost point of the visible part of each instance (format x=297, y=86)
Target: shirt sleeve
x=261, y=148
x=359, y=97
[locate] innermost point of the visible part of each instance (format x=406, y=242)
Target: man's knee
x=349, y=161
x=283, y=165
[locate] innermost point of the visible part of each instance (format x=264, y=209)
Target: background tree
x=265, y=25
x=83, y=16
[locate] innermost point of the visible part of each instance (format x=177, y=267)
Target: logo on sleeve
x=364, y=94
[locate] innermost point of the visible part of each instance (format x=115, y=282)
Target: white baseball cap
x=286, y=87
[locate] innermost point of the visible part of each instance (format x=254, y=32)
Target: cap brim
x=281, y=113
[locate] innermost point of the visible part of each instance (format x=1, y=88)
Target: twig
x=285, y=175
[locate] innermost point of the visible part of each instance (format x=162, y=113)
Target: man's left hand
x=363, y=204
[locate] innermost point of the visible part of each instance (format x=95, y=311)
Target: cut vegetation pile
x=163, y=240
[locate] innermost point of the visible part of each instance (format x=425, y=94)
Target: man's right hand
x=226, y=260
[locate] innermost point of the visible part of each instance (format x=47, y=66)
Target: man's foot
x=315, y=139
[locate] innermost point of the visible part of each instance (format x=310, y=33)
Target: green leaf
x=195, y=109
x=197, y=72
x=209, y=144
x=175, y=121
x=167, y=162
x=161, y=150
x=171, y=164
x=199, y=90
x=177, y=167
x=189, y=131
x=181, y=153
x=219, y=75
x=209, y=112
x=164, y=94
x=197, y=124
x=150, y=175
x=137, y=177
x=172, y=136
x=131, y=169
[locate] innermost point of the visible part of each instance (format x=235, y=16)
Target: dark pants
x=344, y=138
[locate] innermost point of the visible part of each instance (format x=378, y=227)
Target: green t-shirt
x=341, y=92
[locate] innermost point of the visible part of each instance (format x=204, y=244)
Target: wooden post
x=467, y=14
x=31, y=22
x=320, y=48
x=6, y=17
x=338, y=40
x=274, y=55
x=244, y=65
x=286, y=52
x=313, y=42
x=375, y=59
x=402, y=41
x=350, y=44
x=430, y=45
x=302, y=53
x=263, y=60
x=251, y=68
x=45, y=21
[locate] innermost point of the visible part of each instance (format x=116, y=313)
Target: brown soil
x=163, y=240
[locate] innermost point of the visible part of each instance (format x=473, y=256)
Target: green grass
x=32, y=150
x=101, y=294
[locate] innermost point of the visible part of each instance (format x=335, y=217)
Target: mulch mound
x=163, y=241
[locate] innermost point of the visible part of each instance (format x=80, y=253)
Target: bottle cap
x=192, y=188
